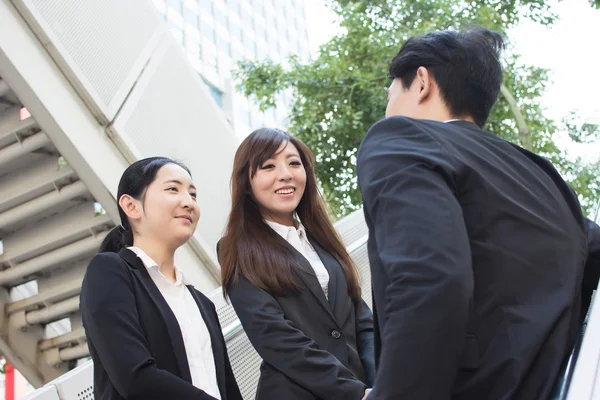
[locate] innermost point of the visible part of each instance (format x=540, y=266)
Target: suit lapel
x=216, y=339
x=167, y=314
x=338, y=288
x=308, y=276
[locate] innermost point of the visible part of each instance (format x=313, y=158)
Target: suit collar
x=284, y=231
x=149, y=263
x=171, y=323
x=216, y=338
x=307, y=274
x=464, y=124
x=338, y=287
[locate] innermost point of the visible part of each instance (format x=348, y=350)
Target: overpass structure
x=86, y=88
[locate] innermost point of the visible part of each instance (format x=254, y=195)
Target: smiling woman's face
x=278, y=184
x=169, y=210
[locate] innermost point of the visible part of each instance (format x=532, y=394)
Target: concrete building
x=216, y=34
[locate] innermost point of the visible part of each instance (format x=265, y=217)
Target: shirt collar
x=149, y=263
x=285, y=230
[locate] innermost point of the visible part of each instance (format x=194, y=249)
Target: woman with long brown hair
x=291, y=280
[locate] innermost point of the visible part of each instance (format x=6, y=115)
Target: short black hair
x=464, y=64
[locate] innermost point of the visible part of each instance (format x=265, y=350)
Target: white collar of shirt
x=149, y=263
x=285, y=230
x=452, y=120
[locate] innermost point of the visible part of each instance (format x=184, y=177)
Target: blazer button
x=336, y=334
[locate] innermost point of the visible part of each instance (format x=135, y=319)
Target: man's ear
x=425, y=81
x=131, y=207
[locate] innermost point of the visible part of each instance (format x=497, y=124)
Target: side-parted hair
x=134, y=182
x=465, y=65
x=250, y=247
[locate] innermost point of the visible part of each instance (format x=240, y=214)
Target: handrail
x=231, y=330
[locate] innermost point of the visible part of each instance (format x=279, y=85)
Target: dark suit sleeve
x=231, y=385
x=365, y=339
x=112, y=325
x=591, y=273
x=287, y=349
x=422, y=244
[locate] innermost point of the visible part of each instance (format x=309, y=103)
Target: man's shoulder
x=402, y=133
x=392, y=125
x=405, y=128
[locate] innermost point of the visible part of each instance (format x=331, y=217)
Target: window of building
x=161, y=6
x=260, y=32
x=175, y=5
x=295, y=46
x=236, y=54
x=174, y=22
x=250, y=47
x=207, y=31
x=270, y=20
x=258, y=6
x=256, y=118
x=284, y=47
x=262, y=51
x=233, y=6
x=193, y=48
x=242, y=115
x=220, y=17
x=177, y=34
x=272, y=36
x=223, y=45
x=216, y=94
x=246, y=17
x=191, y=17
x=225, y=65
x=235, y=31
x=206, y=5
x=191, y=4
x=209, y=55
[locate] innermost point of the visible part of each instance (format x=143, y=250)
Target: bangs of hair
x=264, y=146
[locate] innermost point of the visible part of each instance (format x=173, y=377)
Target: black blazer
x=312, y=348
x=477, y=250
x=134, y=338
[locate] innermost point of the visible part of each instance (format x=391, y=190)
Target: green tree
x=340, y=94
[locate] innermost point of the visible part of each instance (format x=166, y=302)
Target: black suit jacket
x=477, y=250
x=134, y=338
x=312, y=347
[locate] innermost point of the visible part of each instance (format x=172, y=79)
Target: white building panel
x=101, y=46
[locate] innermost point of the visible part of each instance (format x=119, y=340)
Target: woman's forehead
x=173, y=171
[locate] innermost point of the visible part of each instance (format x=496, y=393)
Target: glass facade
x=217, y=33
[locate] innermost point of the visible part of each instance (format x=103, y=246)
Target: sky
x=570, y=49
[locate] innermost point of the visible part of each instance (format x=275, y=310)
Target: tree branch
x=524, y=135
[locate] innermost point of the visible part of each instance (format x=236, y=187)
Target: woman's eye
x=267, y=166
x=296, y=163
x=173, y=189
x=193, y=195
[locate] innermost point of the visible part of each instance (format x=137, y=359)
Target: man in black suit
x=477, y=247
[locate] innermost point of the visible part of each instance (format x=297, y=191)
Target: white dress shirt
x=196, y=338
x=297, y=238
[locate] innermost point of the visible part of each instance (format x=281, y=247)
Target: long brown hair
x=250, y=247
